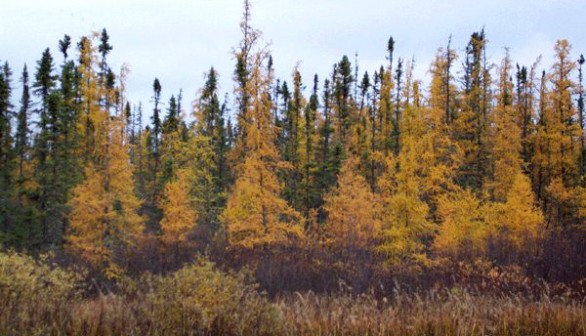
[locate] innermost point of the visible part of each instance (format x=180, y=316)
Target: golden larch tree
x=256, y=214
x=463, y=228
x=179, y=216
x=555, y=163
x=406, y=220
x=506, y=137
x=519, y=219
x=104, y=220
x=353, y=210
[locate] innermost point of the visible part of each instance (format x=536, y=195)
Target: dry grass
x=200, y=300
x=447, y=313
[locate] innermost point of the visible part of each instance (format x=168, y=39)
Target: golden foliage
x=518, y=219
x=507, y=137
x=463, y=229
x=353, y=210
x=26, y=280
x=104, y=207
x=179, y=217
x=255, y=213
x=411, y=184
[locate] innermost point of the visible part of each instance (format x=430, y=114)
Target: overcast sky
x=178, y=40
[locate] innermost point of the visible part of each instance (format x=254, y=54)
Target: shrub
x=30, y=288
x=199, y=299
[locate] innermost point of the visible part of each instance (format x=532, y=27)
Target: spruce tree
x=22, y=141
x=44, y=85
x=6, y=151
x=292, y=138
x=473, y=121
x=342, y=87
x=581, y=122
x=310, y=154
x=155, y=141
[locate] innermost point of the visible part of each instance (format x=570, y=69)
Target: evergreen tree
x=309, y=155
x=292, y=136
x=171, y=120
x=473, y=121
x=155, y=140
x=45, y=82
x=397, y=119
x=250, y=37
x=342, y=86
x=6, y=151
x=211, y=124
x=581, y=122
x=24, y=234
x=209, y=169
x=22, y=140
x=105, y=75
x=332, y=151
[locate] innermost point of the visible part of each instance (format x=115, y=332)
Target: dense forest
x=347, y=183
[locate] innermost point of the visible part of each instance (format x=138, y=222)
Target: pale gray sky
x=177, y=41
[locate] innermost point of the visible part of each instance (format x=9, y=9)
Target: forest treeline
x=369, y=174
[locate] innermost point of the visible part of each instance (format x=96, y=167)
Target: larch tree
x=92, y=119
x=385, y=111
x=557, y=151
x=518, y=220
x=242, y=72
x=255, y=214
x=443, y=92
x=179, y=216
x=463, y=229
x=353, y=210
x=412, y=185
x=104, y=220
x=507, y=145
